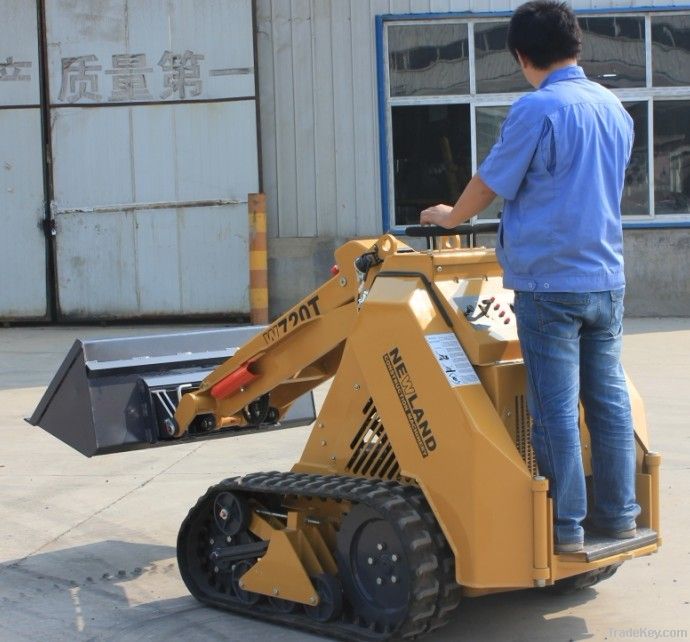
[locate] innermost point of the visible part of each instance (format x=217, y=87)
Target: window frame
x=386, y=102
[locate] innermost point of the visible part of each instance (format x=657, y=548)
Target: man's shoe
x=574, y=547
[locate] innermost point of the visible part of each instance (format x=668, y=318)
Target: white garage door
x=22, y=241
x=154, y=150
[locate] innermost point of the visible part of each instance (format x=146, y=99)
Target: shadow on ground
x=519, y=616
x=126, y=592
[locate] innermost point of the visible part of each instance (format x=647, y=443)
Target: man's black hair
x=545, y=32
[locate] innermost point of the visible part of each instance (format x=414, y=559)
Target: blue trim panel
x=656, y=224
x=502, y=14
x=448, y=14
x=383, y=147
x=381, y=93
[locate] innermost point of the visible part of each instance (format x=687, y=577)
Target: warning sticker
x=452, y=359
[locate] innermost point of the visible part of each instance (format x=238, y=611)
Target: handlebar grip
x=430, y=231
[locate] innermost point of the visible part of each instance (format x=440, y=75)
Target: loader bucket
x=112, y=395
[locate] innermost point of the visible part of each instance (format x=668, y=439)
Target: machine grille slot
x=372, y=452
x=523, y=433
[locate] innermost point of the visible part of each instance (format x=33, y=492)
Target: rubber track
x=450, y=592
x=576, y=583
x=434, y=593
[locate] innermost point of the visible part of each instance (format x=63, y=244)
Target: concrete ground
x=87, y=545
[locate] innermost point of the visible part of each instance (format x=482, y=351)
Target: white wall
x=319, y=115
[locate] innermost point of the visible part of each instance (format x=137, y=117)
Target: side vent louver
x=372, y=453
x=523, y=433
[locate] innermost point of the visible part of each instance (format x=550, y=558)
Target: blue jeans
x=571, y=344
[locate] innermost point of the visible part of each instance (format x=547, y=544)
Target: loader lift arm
x=299, y=351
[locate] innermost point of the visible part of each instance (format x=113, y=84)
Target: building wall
x=319, y=131
x=657, y=265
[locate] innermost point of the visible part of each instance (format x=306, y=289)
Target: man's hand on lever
x=476, y=196
x=436, y=215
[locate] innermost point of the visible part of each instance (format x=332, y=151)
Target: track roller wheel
x=374, y=567
x=282, y=606
x=231, y=513
x=330, y=599
x=238, y=570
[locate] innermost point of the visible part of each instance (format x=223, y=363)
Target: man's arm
x=475, y=197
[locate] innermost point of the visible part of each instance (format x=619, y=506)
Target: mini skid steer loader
x=417, y=485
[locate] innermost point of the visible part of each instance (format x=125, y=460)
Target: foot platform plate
x=598, y=547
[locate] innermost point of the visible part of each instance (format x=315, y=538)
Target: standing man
x=559, y=163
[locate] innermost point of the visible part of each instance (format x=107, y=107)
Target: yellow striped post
x=258, y=259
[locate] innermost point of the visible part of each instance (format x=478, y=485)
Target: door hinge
x=49, y=227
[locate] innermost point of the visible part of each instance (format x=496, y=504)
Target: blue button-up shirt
x=559, y=163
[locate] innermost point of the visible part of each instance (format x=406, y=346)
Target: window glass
x=672, y=156
x=636, y=191
x=613, y=51
x=496, y=69
x=428, y=59
x=431, y=157
x=489, y=121
x=670, y=51
x=432, y=143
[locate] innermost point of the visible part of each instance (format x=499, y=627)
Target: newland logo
x=407, y=393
